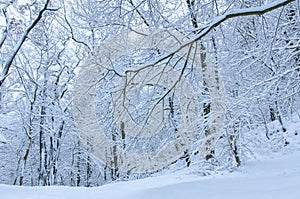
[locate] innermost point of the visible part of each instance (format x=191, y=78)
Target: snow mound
x=274, y=179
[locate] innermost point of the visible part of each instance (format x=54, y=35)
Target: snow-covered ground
x=274, y=178
x=275, y=174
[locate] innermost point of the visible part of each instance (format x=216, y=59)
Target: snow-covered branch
x=4, y=35
x=18, y=46
x=239, y=13
x=205, y=29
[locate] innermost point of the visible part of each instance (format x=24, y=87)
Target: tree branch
x=4, y=36
x=18, y=46
x=205, y=29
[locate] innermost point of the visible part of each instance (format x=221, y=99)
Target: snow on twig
x=18, y=46
x=205, y=29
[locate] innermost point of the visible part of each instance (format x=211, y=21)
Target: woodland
x=239, y=72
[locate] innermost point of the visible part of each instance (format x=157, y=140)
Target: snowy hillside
x=274, y=174
x=275, y=178
x=137, y=99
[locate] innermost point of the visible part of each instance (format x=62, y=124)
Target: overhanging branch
x=205, y=29
x=240, y=13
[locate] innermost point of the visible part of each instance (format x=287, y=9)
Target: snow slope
x=275, y=179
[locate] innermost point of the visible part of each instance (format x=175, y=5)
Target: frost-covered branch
x=239, y=13
x=18, y=46
x=72, y=31
x=205, y=29
x=4, y=35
